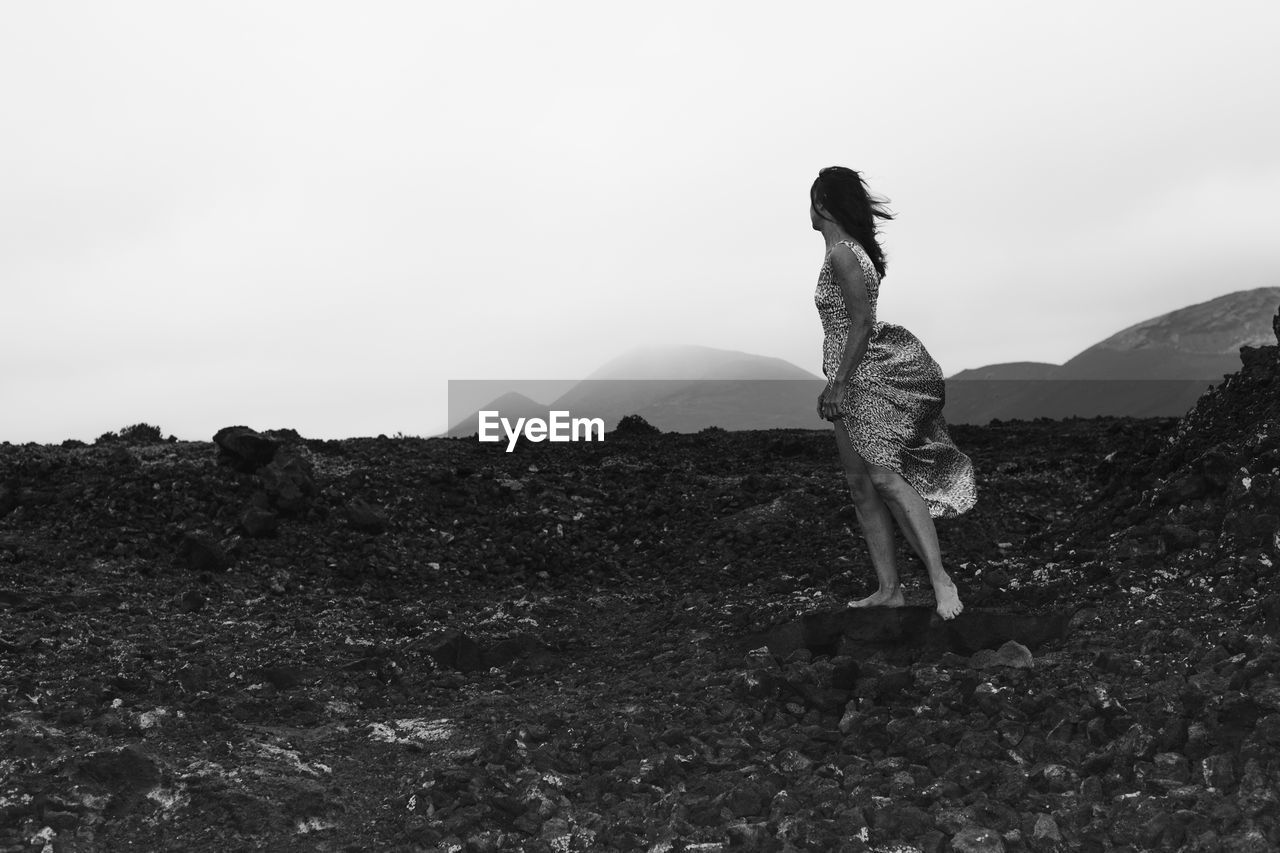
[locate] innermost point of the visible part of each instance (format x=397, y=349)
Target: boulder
x=289, y=482
x=244, y=449
x=366, y=517
x=256, y=522
x=200, y=553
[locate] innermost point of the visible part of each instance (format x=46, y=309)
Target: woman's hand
x=830, y=401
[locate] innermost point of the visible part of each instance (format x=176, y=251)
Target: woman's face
x=816, y=214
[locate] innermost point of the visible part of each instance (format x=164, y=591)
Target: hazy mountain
x=1159, y=366
x=1200, y=341
x=1010, y=370
x=512, y=405
x=687, y=388
x=697, y=362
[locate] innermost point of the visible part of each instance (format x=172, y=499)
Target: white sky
x=314, y=215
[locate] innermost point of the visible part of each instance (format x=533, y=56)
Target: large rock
x=125, y=775
x=201, y=553
x=366, y=517
x=243, y=448
x=257, y=522
x=289, y=482
x=454, y=649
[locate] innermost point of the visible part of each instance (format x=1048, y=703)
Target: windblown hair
x=843, y=194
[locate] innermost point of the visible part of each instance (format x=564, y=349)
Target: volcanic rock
x=124, y=774
x=256, y=521
x=366, y=517
x=289, y=481
x=1012, y=654
x=199, y=553
x=977, y=839
x=243, y=448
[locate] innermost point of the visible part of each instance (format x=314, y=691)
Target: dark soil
x=409, y=644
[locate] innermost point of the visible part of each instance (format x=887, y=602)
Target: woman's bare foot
x=881, y=598
x=948, y=596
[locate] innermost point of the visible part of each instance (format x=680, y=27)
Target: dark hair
x=843, y=194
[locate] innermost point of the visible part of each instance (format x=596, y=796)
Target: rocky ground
x=273, y=643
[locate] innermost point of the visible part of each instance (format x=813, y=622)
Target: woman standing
x=885, y=393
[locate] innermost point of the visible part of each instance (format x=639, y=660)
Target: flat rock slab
x=910, y=631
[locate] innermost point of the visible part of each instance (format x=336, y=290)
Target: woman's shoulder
x=856, y=253
x=859, y=254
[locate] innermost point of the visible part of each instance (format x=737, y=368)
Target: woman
x=885, y=393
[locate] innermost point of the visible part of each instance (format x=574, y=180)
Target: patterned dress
x=892, y=408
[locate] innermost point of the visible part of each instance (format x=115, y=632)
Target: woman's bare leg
x=912, y=515
x=877, y=526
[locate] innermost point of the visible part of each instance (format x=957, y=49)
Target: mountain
x=512, y=405
x=685, y=389
x=1010, y=370
x=1200, y=341
x=696, y=362
x=1158, y=367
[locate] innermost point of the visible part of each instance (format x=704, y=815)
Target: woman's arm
x=853, y=287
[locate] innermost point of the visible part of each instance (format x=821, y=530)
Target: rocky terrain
x=269, y=642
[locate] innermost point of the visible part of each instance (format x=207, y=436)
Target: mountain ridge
x=1156, y=367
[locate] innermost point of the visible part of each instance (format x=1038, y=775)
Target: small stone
x=281, y=677
x=851, y=720
x=454, y=649
x=747, y=836
x=793, y=761
x=1218, y=770
x=1246, y=841
x=977, y=839
x=1177, y=537
x=1054, y=778
x=1173, y=766
x=1046, y=829
x=951, y=820
x=762, y=658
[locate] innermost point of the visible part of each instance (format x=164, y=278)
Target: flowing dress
x=892, y=409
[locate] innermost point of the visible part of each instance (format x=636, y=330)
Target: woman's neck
x=833, y=234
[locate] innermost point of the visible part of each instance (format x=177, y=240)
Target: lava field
x=270, y=642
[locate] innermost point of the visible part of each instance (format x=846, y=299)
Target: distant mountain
x=697, y=362
x=512, y=405
x=1158, y=367
x=1200, y=341
x=685, y=389
x=1010, y=370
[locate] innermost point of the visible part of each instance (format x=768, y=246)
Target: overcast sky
x=314, y=215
